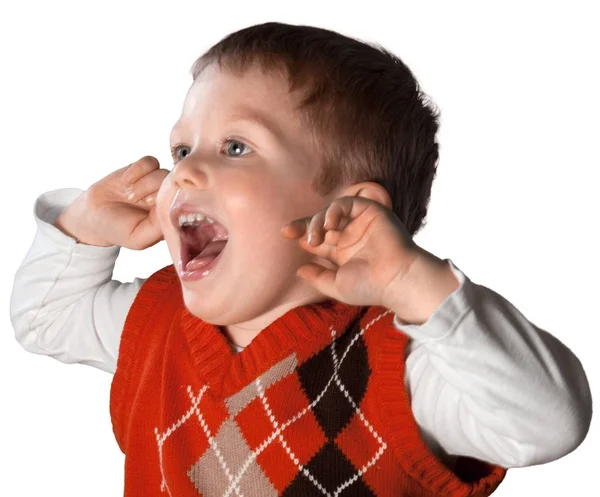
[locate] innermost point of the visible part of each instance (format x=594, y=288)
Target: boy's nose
x=190, y=173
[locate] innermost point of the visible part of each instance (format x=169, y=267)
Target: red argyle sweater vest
x=315, y=405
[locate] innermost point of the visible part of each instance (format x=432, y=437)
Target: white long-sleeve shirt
x=483, y=381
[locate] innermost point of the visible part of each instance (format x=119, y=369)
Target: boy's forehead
x=254, y=87
x=261, y=99
x=249, y=114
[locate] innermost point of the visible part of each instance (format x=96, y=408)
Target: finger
x=147, y=202
x=333, y=221
x=332, y=237
x=299, y=227
x=149, y=199
x=326, y=249
x=147, y=233
x=344, y=207
x=320, y=277
x=333, y=216
x=294, y=228
x=351, y=206
x=341, y=226
x=315, y=235
x=147, y=185
x=139, y=169
x=323, y=250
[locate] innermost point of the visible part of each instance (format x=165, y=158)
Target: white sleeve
x=64, y=303
x=486, y=383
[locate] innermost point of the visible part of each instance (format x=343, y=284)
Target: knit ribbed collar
x=306, y=328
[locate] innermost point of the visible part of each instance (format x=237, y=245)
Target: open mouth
x=201, y=243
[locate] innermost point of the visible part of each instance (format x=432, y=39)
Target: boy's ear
x=370, y=190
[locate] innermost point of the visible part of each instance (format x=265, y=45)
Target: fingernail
x=309, y=238
x=129, y=194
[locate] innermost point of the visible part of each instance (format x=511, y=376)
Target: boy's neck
x=242, y=336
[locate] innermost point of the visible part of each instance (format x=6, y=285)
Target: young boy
x=262, y=362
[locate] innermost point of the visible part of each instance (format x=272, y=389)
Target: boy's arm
x=64, y=303
x=486, y=383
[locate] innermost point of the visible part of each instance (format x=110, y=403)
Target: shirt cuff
x=445, y=318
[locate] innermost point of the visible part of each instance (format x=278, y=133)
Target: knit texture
x=315, y=405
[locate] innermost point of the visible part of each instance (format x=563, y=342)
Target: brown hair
x=365, y=108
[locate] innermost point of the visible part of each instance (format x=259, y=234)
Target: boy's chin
x=202, y=312
x=205, y=304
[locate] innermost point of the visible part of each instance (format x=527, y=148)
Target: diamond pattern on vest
x=316, y=403
x=334, y=410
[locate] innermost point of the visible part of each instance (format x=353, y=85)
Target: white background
x=88, y=87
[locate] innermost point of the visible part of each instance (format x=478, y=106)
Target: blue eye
x=234, y=148
x=175, y=150
x=237, y=146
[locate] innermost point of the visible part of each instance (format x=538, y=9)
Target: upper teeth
x=193, y=218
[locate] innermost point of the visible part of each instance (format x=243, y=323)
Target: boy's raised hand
x=104, y=215
x=364, y=239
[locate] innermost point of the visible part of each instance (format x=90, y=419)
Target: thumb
x=322, y=278
x=148, y=232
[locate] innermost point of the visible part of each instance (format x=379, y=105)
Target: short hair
x=367, y=113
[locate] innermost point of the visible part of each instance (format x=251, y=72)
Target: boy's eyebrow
x=252, y=116
x=263, y=120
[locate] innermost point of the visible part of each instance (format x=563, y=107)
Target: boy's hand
x=104, y=215
x=367, y=242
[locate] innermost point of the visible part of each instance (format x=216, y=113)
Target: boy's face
x=254, y=185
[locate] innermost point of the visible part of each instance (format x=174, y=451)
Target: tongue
x=209, y=253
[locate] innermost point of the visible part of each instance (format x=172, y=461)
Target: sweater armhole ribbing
x=470, y=478
x=142, y=310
